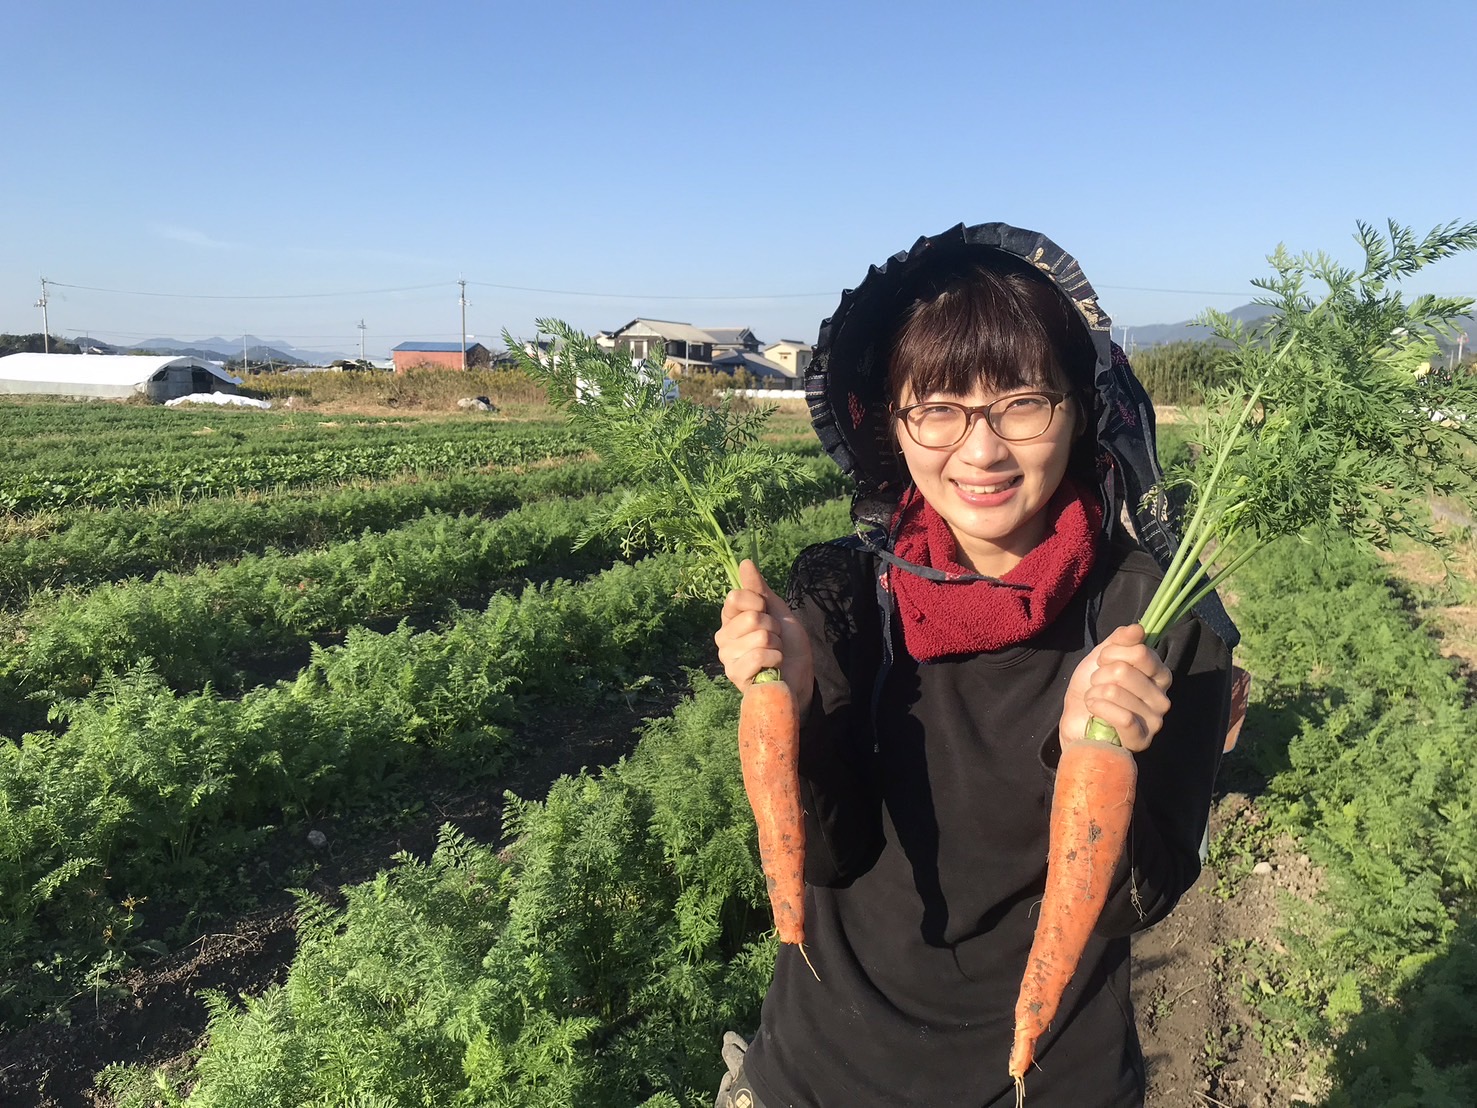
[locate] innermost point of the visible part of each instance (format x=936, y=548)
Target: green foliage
x=1367, y=747
x=119, y=474
x=35, y=344
x=696, y=473
x=597, y=961
x=107, y=545
x=1325, y=419
x=146, y=792
x=199, y=627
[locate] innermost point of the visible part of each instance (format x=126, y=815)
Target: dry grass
x=1445, y=590
x=418, y=391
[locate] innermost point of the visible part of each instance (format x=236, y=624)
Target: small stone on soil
x=1261, y=869
x=317, y=839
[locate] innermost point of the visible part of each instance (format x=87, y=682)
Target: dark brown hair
x=994, y=322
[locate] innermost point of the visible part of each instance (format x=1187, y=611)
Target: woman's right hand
x=760, y=632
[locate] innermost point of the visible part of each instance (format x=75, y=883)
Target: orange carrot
x=1090, y=812
x=769, y=751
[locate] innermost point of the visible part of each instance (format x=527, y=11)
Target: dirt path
x=1198, y=1035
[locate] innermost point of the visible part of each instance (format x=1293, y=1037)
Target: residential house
x=793, y=356
x=688, y=348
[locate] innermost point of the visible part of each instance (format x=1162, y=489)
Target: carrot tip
x=1020, y=1092
x=807, y=960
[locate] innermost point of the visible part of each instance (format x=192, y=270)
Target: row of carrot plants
x=1364, y=737
x=164, y=477
x=216, y=433
x=599, y=957
x=146, y=792
x=224, y=625
x=90, y=547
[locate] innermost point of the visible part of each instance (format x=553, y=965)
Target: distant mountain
x=1157, y=334
x=222, y=349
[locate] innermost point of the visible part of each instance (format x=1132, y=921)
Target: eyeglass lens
x=1011, y=417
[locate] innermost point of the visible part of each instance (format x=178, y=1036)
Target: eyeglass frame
x=973, y=411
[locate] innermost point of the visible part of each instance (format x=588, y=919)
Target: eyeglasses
x=939, y=424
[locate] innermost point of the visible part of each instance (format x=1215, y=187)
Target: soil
x=1198, y=1035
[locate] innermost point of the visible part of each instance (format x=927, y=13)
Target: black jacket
x=928, y=787
x=926, y=856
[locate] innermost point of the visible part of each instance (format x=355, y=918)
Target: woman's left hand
x=1124, y=684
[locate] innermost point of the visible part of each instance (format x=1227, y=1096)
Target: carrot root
x=1090, y=813
x=769, y=752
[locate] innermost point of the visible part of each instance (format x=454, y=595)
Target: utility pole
x=45, y=323
x=243, y=353
x=463, y=284
x=361, y=340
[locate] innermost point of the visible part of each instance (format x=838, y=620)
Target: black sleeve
x=1175, y=778
x=843, y=806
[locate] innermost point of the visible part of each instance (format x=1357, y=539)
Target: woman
x=988, y=609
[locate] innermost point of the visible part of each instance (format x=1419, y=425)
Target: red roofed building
x=438, y=355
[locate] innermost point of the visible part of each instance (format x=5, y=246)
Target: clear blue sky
x=721, y=164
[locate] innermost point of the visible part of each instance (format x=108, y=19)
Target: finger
x=1139, y=659
x=1148, y=707
x=743, y=600
x=748, y=631
x=744, y=669
x=1130, y=687
x=751, y=578
x=1147, y=686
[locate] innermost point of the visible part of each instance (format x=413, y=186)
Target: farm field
x=226, y=637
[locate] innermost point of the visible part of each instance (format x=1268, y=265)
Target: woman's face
x=989, y=491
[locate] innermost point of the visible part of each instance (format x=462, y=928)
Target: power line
x=261, y=296
x=562, y=292
x=650, y=296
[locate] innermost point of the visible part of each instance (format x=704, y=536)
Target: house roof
x=789, y=342
x=665, y=329
x=727, y=335
x=756, y=364
x=117, y=370
x=436, y=347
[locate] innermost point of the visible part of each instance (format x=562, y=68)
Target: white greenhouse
x=111, y=376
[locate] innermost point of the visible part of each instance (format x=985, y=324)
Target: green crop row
x=222, y=625
x=208, y=625
x=146, y=791
x=89, y=547
x=165, y=477
x=117, y=543
x=197, y=436
x=1365, y=738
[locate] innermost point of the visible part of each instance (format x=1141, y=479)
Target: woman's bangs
x=972, y=337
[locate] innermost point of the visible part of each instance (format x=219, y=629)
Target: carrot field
x=278, y=665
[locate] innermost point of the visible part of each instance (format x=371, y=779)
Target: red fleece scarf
x=967, y=615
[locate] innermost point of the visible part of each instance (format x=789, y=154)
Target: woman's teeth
x=986, y=490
